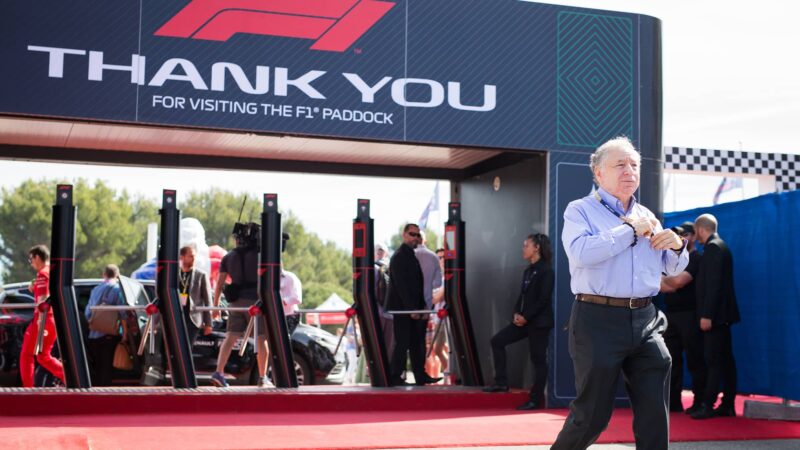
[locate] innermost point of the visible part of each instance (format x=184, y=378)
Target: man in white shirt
x=292, y=296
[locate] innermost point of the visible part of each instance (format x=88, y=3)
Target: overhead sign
x=500, y=74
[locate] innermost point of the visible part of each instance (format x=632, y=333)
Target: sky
x=730, y=72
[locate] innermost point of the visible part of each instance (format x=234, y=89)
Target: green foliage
x=218, y=210
x=432, y=239
x=321, y=266
x=111, y=227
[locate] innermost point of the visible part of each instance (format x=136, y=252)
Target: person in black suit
x=717, y=311
x=683, y=335
x=405, y=294
x=533, y=319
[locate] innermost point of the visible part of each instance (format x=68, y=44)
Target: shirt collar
x=615, y=203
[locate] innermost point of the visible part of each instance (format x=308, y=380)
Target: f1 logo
x=334, y=24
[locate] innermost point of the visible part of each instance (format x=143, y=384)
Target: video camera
x=247, y=234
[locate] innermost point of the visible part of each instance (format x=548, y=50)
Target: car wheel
x=303, y=371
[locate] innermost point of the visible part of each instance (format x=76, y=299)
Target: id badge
x=184, y=298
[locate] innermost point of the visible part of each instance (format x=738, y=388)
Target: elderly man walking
x=617, y=251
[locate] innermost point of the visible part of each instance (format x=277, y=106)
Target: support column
x=62, y=291
x=269, y=292
x=364, y=296
x=456, y=300
x=176, y=342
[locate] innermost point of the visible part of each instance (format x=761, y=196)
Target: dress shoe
x=427, y=379
x=496, y=388
x=704, y=411
x=398, y=382
x=725, y=411
x=529, y=405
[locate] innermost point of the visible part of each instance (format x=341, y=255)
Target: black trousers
x=604, y=342
x=721, y=365
x=191, y=328
x=409, y=339
x=101, y=355
x=683, y=336
x=537, y=342
x=291, y=322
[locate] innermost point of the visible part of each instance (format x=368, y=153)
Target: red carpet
x=349, y=426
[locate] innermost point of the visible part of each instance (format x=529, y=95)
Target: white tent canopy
x=333, y=303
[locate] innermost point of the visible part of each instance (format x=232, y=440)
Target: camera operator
x=242, y=265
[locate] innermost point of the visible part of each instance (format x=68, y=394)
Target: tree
x=322, y=267
x=432, y=239
x=110, y=227
x=218, y=210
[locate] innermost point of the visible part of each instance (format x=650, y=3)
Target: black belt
x=632, y=303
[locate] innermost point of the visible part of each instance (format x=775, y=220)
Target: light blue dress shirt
x=601, y=259
x=109, y=292
x=431, y=273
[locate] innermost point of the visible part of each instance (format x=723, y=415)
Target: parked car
x=313, y=348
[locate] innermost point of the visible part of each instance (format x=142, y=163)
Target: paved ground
x=788, y=444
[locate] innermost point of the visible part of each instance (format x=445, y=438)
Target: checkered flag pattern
x=785, y=167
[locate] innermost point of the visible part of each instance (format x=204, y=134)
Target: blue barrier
x=762, y=235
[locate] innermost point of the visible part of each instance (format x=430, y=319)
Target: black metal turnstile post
x=456, y=300
x=364, y=296
x=62, y=291
x=269, y=285
x=176, y=342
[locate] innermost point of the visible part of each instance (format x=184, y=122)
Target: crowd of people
x=620, y=259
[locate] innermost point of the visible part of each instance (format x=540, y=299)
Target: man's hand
x=666, y=239
x=643, y=226
x=705, y=324
x=519, y=320
x=206, y=330
x=216, y=315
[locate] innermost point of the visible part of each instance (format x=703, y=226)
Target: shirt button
x=635, y=278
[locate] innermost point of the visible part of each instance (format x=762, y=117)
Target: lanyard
x=185, y=279
x=609, y=208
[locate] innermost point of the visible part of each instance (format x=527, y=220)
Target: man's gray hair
x=598, y=158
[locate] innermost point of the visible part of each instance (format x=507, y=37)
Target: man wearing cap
x=683, y=333
x=617, y=251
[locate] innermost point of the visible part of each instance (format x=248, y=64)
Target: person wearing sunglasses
x=406, y=294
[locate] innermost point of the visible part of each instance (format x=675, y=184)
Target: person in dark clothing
x=717, y=311
x=683, y=334
x=406, y=294
x=533, y=319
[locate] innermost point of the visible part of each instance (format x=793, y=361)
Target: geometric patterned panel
x=785, y=167
x=595, y=78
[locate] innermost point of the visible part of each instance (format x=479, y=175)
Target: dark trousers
x=409, y=339
x=291, y=322
x=721, y=365
x=191, y=328
x=605, y=341
x=101, y=354
x=683, y=336
x=537, y=342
